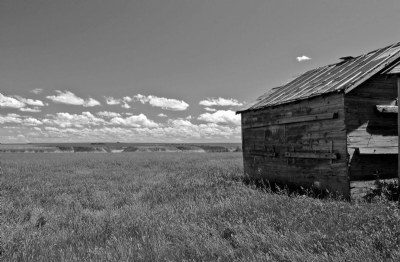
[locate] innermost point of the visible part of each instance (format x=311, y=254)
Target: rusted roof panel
x=343, y=76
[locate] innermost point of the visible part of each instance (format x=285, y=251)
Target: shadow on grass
x=388, y=191
x=290, y=190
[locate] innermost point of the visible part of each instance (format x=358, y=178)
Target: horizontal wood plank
x=390, y=150
x=316, y=155
x=262, y=153
x=387, y=109
x=297, y=119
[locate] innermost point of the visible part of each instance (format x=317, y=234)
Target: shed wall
x=293, y=143
x=373, y=133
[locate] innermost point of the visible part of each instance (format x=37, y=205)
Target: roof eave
x=289, y=101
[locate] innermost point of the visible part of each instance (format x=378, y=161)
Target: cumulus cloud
x=31, y=110
x=90, y=102
x=30, y=102
x=162, y=102
x=112, y=101
x=11, y=102
x=134, y=121
x=88, y=120
x=10, y=118
x=30, y=121
x=69, y=98
x=116, y=101
x=37, y=91
x=127, y=99
x=209, y=109
x=125, y=105
x=220, y=102
x=221, y=125
x=108, y=114
x=63, y=119
x=180, y=122
x=20, y=102
x=302, y=58
x=18, y=119
x=134, y=129
x=221, y=116
x=181, y=128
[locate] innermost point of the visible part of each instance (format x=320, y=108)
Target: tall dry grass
x=175, y=207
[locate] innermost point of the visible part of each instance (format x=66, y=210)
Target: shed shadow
x=289, y=190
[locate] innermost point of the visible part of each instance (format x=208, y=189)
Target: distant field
x=175, y=207
x=118, y=147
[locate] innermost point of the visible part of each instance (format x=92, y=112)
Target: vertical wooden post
x=398, y=127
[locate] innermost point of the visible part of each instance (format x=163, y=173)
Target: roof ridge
x=343, y=75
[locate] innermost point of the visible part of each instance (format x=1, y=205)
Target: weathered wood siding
x=374, y=133
x=301, y=143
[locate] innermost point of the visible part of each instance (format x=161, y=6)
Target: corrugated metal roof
x=343, y=76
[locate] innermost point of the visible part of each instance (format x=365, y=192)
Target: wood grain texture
x=374, y=134
x=312, y=155
x=295, y=119
x=313, y=128
x=387, y=109
x=398, y=129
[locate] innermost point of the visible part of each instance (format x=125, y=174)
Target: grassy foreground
x=174, y=207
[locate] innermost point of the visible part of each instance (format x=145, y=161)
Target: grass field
x=175, y=207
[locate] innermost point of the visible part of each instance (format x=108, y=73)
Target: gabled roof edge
x=330, y=79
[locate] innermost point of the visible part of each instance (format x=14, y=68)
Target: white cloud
x=303, y=58
x=32, y=110
x=112, y=101
x=143, y=99
x=180, y=122
x=108, y=114
x=11, y=102
x=134, y=121
x=162, y=115
x=69, y=98
x=121, y=130
x=37, y=90
x=66, y=97
x=220, y=102
x=30, y=121
x=116, y=101
x=30, y=102
x=221, y=116
x=188, y=117
x=17, y=119
x=162, y=102
x=125, y=105
x=91, y=102
x=127, y=99
x=182, y=129
x=50, y=128
x=209, y=109
x=10, y=118
x=73, y=120
x=20, y=102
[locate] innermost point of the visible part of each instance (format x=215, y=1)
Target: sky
x=166, y=70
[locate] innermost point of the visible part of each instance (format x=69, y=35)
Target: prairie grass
x=176, y=207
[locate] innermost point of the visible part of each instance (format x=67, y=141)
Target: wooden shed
x=329, y=128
